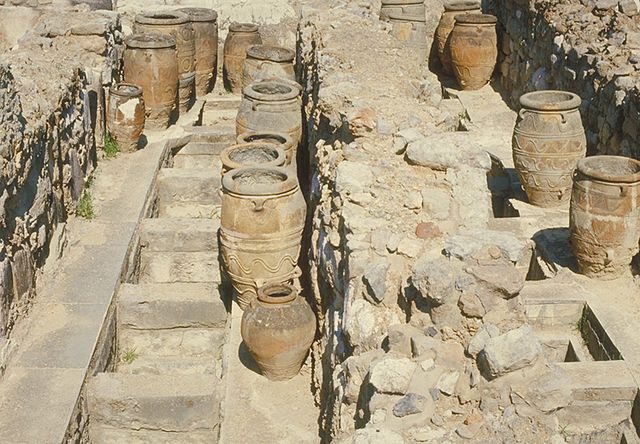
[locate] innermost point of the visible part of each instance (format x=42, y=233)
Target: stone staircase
x=172, y=324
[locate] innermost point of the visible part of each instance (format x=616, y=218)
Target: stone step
x=179, y=234
x=202, y=148
x=208, y=162
x=164, y=306
x=194, y=210
x=226, y=117
x=172, y=366
x=109, y=435
x=212, y=134
x=188, y=185
x=145, y=345
x=169, y=267
x=179, y=403
x=229, y=102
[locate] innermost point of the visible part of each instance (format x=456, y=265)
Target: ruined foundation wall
x=51, y=97
x=592, y=52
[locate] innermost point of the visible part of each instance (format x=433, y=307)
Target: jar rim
x=476, y=19
x=461, y=5
x=272, y=90
x=550, y=100
x=243, y=27
x=616, y=169
x=270, y=52
x=284, y=181
x=125, y=89
x=274, y=137
x=150, y=41
x=162, y=18
x=281, y=293
x=200, y=14
x=228, y=155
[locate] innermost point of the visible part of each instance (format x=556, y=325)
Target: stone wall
x=51, y=97
x=590, y=51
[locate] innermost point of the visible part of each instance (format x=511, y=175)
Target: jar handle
x=610, y=256
x=521, y=113
x=258, y=205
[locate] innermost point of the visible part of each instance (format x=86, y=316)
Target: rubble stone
x=511, y=351
x=392, y=375
x=410, y=404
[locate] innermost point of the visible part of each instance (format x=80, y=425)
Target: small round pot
x=282, y=139
x=604, y=221
x=278, y=328
x=548, y=141
x=252, y=154
x=474, y=49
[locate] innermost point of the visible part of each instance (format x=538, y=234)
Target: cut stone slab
x=195, y=210
x=392, y=375
x=188, y=185
x=463, y=246
x=110, y=435
x=511, y=351
x=172, y=365
x=164, y=306
x=179, y=235
x=168, y=403
x=198, y=162
x=201, y=148
x=183, y=342
x=441, y=153
x=165, y=267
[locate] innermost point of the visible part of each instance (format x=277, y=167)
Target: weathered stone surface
x=375, y=279
x=424, y=346
x=434, y=279
x=447, y=382
x=366, y=324
x=391, y=374
x=464, y=246
x=410, y=404
x=471, y=305
x=501, y=279
x=400, y=338
x=353, y=177
x=511, y=351
x=374, y=435
x=549, y=391
x=480, y=339
x=441, y=154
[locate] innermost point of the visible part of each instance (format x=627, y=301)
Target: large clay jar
x=266, y=61
x=282, y=139
x=205, y=28
x=262, y=154
x=451, y=10
x=271, y=105
x=548, y=141
x=605, y=215
x=261, y=223
x=150, y=63
x=411, y=29
x=278, y=329
x=186, y=92
x=125, y=116
x=474, y=49
x=177, y=25
x=240, y=37
x=407, y=7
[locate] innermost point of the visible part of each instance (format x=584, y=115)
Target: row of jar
x=465, y=38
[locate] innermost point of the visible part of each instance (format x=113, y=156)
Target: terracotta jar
x=204, y=22
x=278, y=329
x=407, y=7
x=412, y=30
x=240, y=37
x=177, y=25
x=282, y=139
x=261, y=223
x=604, y=220
x=125, y=116
x=548, y=141
x=266, y=61
x=271, y=105
x=451, y=10
x=150, y=63
x=262, y=154
x=474, y=49
x=186, y=92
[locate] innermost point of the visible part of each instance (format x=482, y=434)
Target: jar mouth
x=461, y=5
x=243, y=27
x=269, y=52
x=277, y=293
x=402, y=3
x=550, y=100
x=404, y=17
x=271, y=91
x=476, y=19
x=259, y=181
x=200, y=14
x=616, y=169
x=276, y=138
x=162, y=18
x=150, y=41
x=126, y=90
x=253, y=154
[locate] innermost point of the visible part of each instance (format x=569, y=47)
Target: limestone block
x=391, y=374
x=511, y=351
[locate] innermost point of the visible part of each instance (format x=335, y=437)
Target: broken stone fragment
x=409, y=404
x=365, y=327
x=375, y=280
x=353, y=177
x=391, y=375
x=434, y=279
x=433, y=153
x=501, y=279
x=509, y=352
x=480, y=339
x=424, y=347
x=400, y=338
x=548, y=392
x=374, y=435
x=447, y=383
x=404, y=137
x=471, y=306
x=467, y=245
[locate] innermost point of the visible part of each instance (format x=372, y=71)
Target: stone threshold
x=70, y=331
